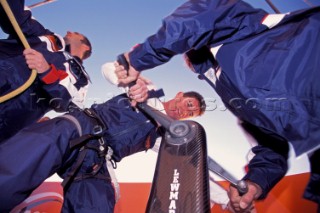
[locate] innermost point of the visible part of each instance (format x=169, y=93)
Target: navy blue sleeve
x=196, y=24
x=29, y=26
x=266, y=169
x=269, y=165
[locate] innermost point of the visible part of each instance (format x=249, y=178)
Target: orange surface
x=286, y=197
x=46, y=198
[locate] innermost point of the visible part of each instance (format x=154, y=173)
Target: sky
x=115, y=26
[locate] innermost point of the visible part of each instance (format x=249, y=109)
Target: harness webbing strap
x=112, y=174
x=80, y=141
x=98, y=176
x=102, y=150
x=67, y=180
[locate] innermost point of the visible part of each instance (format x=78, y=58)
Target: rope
x=26, y=45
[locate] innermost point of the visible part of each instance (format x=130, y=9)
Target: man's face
x=75, y=40
x=183, y=107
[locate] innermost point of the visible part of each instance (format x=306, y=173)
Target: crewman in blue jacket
x=265, y=68
x=82, y=147
x=62, y=81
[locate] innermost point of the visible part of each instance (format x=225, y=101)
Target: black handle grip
x=123, y=61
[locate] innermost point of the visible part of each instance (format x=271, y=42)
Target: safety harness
x=103, y=151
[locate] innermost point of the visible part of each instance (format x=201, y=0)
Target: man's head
x=78, y=45
x=185, y=105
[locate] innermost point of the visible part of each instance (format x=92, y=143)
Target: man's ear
x=179, y=95
x=85, y=47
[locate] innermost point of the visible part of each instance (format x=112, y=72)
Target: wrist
x=45, y=69
x=52, y=75
x=254, y=186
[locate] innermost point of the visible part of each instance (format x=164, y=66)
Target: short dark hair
x=87, y=53
x=199, y=97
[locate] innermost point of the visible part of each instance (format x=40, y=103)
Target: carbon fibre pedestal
x=181, y=183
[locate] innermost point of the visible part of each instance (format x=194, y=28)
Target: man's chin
x=174, y=116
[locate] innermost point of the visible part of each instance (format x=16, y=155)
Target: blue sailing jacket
x=267, y=73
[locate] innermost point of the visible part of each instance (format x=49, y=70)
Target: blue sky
x=114, y=26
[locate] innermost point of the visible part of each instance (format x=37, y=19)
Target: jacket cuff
x=141, y=57
x=266, y=180
x=52, y=75
x=255, y=177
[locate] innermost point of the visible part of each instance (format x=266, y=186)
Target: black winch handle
x=176, y=128
x=123, y=61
